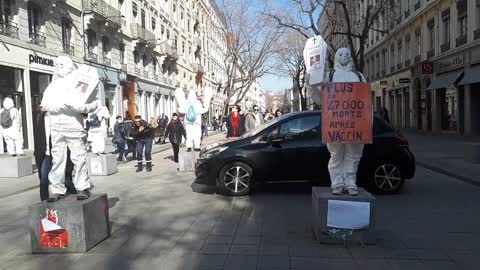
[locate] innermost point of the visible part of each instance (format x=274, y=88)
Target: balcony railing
x=145, y=74
x=92, y=57
x=69, y=49
x=9, y=29
x=106, y=61
x=430, y=53
x=407, y=63
x=124, y=67
x=417, y=59
x=138, y=32
x=417, y=5
x=399, y=66
x=445, y=47
x=476, y=34
x=37, y=38
x=104, y=11
x=462, y=40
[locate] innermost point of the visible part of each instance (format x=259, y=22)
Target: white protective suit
x=98, y=135
x=66, y=127
x=191, y=106
x=345, y=158
x=13, y=135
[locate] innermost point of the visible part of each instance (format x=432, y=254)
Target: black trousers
x=176, y=148
x=131, y=148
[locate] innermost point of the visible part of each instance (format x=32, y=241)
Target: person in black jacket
x=119, y=138
x=144, y=137
x=130, y=129
x=175, y=131
x=235, y=123
x=43, y=158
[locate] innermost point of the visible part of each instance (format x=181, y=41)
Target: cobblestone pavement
x=158, y=223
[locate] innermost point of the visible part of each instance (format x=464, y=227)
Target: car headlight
x=213, y=152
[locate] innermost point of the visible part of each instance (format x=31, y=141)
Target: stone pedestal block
x=15, y=166
x=326, y=235
x=472, y=152
x=102, y=164
x=187, y=160
x=69, y=225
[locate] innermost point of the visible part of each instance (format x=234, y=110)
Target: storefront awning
x=472, y=75
x=445, y=80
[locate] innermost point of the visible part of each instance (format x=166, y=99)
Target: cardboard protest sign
x=85, y=82
x=347, y=113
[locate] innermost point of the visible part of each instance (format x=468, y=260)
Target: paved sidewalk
x=444, y=153
x=159, y=223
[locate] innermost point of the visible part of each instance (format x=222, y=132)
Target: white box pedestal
x=102, y=165
x=187, y=160
x=15, y=166
x=320, y=198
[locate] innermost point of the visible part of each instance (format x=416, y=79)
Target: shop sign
x=404, y=80
x=450, y=63
x=427, y=68
x=44, y=61
x=383, y=82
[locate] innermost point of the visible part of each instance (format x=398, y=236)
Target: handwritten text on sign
x=346, y=113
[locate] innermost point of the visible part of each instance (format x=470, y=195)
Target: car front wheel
x=235, y=179
x=387, y=178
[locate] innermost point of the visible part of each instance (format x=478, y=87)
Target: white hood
x=63, y=66
x=8, y=103
x=343, y=60
x=192, y=96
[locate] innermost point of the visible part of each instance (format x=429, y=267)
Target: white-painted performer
x=193, y=110
x=344, y=158
x=11, y=128
x=98, y=129
x=66, y=127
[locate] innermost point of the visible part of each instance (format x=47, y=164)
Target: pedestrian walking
x=175, y=132
x=253, y=119
x=235, y=123
x=215, y=123
x=119, y=138
x=130, y=131
x=144, y=138
x=204, y=126
x=384, y=114
x=162, y=125
x=269, y=115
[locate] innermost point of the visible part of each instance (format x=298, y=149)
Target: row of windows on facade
x=397, y=54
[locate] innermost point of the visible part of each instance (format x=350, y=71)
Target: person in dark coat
x=144, y=137
x=43, y=158
x=175, y=131
x=235, y=123
x=119, y=138
x=130, y=131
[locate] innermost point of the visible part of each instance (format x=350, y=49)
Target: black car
x=290, y=148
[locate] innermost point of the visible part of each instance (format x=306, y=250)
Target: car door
x=301, y=148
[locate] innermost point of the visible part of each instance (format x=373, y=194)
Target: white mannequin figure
x=193, y=110
x=13, y=132
x=66, y=127
x=98, y=134
x=345, y=158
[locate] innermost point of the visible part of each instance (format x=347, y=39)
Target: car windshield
x=266, y=125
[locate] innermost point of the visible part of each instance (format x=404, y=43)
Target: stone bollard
x=69, y=225
x=15, y=166
x=187, y=160
x=361, y=208
x=102, y=165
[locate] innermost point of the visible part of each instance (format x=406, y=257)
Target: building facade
x=141, y=49
x=424, y=67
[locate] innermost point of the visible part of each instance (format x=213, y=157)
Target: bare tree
x=355, y=20
x=252, y=42
x=291, y=63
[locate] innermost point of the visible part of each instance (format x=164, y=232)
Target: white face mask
x=119, y=120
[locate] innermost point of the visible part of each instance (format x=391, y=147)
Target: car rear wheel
x=235, y=179
x=387, y=178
